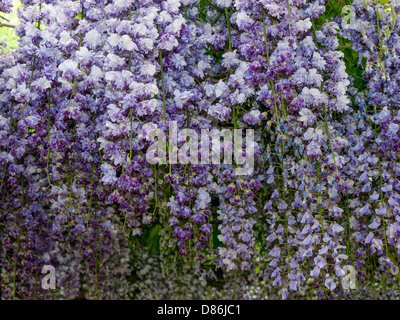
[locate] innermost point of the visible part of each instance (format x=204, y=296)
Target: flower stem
x=268, y=62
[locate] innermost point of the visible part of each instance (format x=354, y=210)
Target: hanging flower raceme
x=371, y=26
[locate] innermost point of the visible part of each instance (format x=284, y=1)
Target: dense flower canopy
x=93, y=82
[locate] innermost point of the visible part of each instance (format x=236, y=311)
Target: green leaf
x=153, y=239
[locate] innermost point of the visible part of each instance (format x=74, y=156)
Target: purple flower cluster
x=6, y=6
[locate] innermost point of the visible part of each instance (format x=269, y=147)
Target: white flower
x=175, y=26
x=243, y=20
x=42, y=83
x=127, y=43
x=83, y=55
x=103, y=142
x=393, y=128
x=203, y=199
x=69, y=65
x=173, y=5
x=230, y=59
x=147, y=43
x=223, y=3
x=148, y=69
x=220, y=88
x=96, y=73
x=65, y=38
x=113, y=40
x=303, y=25
x=139, y=29
x=123, y=3
x=93, y=38
x=307, y=117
